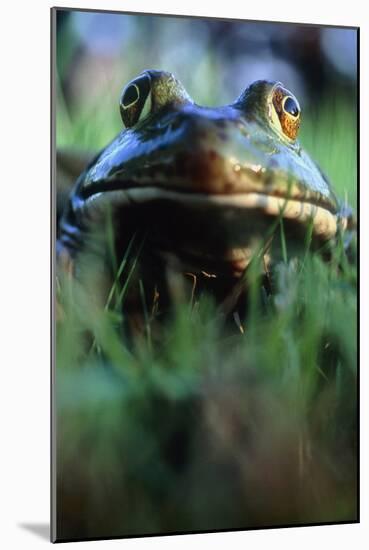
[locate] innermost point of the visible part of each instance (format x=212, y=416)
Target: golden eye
x=135, y=101
x=288, y=112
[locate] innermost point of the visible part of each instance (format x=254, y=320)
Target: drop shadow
x=42, y=530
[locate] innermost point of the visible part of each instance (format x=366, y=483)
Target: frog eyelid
x=272, y=113
x=146, y=108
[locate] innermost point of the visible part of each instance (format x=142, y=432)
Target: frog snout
x=200, y=156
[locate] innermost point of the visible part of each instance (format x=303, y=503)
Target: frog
x=207, y=187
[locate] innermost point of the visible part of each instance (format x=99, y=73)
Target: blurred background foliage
x=211, y=429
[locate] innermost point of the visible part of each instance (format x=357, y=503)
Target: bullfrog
x=208, y=187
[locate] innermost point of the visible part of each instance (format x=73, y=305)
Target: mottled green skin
x=183, y=147
x=238, y=134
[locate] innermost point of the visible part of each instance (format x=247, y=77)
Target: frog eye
x=150, y=92
x=290, y=106
x=135, y=101
x=287, y=112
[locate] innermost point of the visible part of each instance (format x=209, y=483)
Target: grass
x=210, y=427
x=195, y=426
x=330, y=136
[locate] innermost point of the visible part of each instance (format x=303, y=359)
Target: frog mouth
x=324, y=222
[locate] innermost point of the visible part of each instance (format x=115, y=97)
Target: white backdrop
x=24, y=271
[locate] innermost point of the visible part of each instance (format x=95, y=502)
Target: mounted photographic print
x=204, y=183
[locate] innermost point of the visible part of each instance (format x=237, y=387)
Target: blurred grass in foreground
x=211, y=428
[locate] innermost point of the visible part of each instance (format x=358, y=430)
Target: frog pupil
x=131, y=95
x=290, y=106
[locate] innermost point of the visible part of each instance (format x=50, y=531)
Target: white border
x=24, y=299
